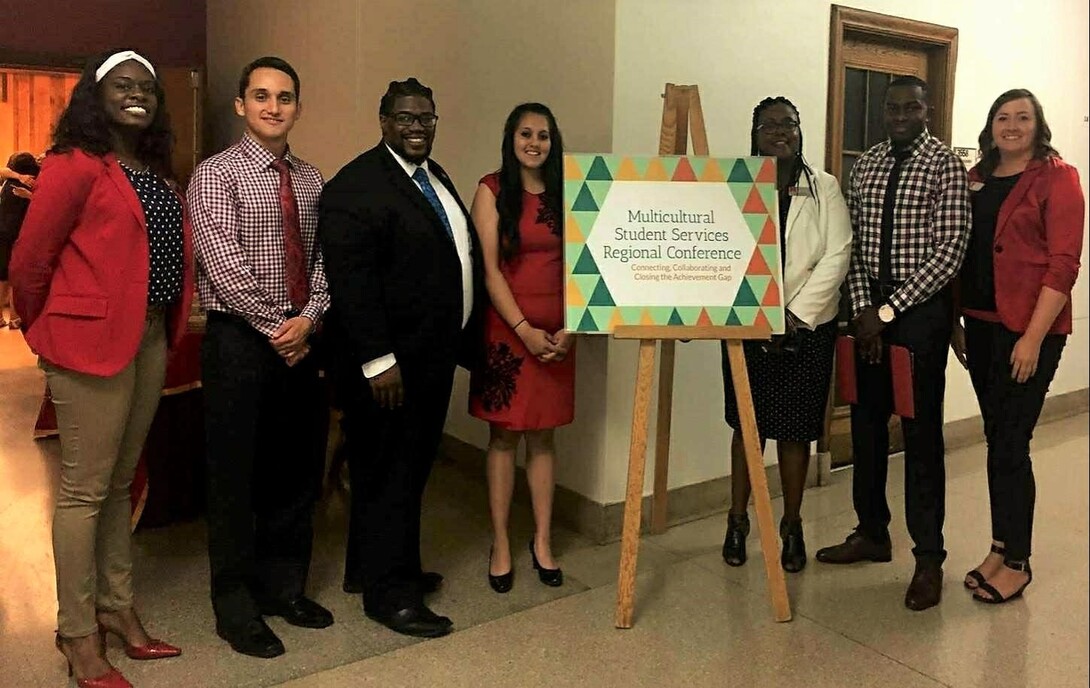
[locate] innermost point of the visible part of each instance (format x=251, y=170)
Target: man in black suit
x=403, y=269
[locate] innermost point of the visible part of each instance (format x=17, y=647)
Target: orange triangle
x=754, y=204
x=712, y=172
x=704, y=320
x=645, y=318
x=626, y=171
x=572, y=231
x=574, y=297
x=656, y=172
x=762, y=321
x=772, y=295
x=757, y=264
x=767, y=175
x=572, y=173
x=768, y=233
x=684, y=172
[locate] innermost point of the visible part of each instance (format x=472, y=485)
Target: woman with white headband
x=103, y=276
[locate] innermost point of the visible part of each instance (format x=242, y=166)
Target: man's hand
x=294, y=357
x=867, y=324
x=957, y=344
x=387, y=389
x=870, y=350
x=291, y=336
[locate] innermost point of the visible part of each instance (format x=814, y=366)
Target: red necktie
x=295, y=257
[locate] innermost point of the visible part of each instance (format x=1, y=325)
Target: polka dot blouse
x=163, y=212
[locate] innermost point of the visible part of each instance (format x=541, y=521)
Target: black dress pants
x=390, y=459
x=925, y=330
x=264, y=427
x=1010, y=411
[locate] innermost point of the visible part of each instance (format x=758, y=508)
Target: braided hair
x=799, y=166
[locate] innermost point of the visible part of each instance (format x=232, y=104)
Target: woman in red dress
x=526, y=386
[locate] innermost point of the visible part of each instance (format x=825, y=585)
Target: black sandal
x=976, y=576
x=997, y=598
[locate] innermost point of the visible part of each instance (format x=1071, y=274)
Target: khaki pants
x=103, y=422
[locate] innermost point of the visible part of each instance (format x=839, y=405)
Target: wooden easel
x=681, y=107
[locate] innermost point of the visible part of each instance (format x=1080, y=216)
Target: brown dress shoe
x=858, y=547
x=925, y=590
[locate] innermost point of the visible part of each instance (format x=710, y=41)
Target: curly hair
x=85, y=125
x=1042, y=140
x=509, y=200
x=799, y=166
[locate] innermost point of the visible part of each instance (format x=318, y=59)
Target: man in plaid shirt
x=260, y=276
x=909, y=203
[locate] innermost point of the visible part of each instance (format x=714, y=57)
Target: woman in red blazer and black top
x=103, y=276
x=1015, y=295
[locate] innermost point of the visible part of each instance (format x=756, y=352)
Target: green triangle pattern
x=719, y=314
x=689, y=314
x=586, y=265
x=740, y=191
x=756, y=224
x=746, y=314
x=586, y=219
x=733, y=319
x=572, y=251
x=670, y=163
x=759, y=285
x=602, y=314
x=770, y=197
x=740, y=173
x=775, y=318
x=754, y=166
x=585, y=200
x=660, y=315
x=574, y=315
x=698, y=164
x=601, y=296
x=599, y=171
x=587, y=284
x=675, y=318
x=745, y=296
x=571, y=192
x=771, y=253
x=599, y=190
x=631, y=314
x=587, y=324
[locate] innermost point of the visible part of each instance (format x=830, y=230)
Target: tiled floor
x=698, y=623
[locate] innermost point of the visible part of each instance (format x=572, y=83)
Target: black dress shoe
x=503, y=582
x=857, y=547
x=793, y=556
x=253, y=638
x=925, y=590
x=734, y=544
x=298, y=612
x=430, y=582
x=415, y=620
x=553, y=578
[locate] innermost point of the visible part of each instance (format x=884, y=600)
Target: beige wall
x=481, y=58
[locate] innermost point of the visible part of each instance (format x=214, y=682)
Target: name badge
x=976, y=186
x=803, y=191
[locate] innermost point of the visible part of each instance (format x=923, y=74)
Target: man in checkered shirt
x=909, y=203
x=259, y=272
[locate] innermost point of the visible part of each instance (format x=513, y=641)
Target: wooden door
x=184, y=89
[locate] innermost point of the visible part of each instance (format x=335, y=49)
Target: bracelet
x=515, y=327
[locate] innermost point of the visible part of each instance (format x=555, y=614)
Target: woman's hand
x=1024, y=358
x=563, y=341
x=538, y=342
x=957, y=344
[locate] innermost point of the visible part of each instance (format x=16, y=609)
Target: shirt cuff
x=379, y=366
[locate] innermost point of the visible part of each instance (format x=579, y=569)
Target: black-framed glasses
x=782, y=125
x=406, y=119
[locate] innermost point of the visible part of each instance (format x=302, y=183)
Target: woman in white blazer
x=790, y=375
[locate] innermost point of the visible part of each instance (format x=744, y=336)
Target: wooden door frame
x=941, y=44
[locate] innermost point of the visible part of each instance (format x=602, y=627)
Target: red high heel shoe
x=111, y=679
x=155, y=648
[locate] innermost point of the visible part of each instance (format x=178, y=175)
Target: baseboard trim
x=602, y=523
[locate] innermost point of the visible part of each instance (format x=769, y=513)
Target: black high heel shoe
x=793, y=556
x=503, y=582
x=554, y=578
x=734, y=544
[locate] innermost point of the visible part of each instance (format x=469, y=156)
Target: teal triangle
x=740, y=191
x=675, y=318
x=740, y=173
x=571, y=192
x=745, y=296
x=599, y=171
x=732, y=319
x=599, y=190
x=601, y=296
x=587, y=324
x=584, y=201
x=586, y=264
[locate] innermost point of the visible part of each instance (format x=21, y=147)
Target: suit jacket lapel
x=408, y=188
x=796, y=208
x=117, y=175
x=1017, y=194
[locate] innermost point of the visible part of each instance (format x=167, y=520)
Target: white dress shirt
x=459, y=226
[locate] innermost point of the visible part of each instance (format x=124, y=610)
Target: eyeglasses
x=783, y=125
x=406, y=119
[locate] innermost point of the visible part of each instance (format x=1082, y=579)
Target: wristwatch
x=886, y=313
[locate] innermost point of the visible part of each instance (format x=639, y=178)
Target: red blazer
x=79, y=269
x=1038, y=241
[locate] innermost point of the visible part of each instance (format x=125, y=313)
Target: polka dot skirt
x=163, y=212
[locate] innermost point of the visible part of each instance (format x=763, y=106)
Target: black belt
x=882, y=291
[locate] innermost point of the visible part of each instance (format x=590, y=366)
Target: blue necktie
x=421, y=177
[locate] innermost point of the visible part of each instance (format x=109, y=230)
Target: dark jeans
x=264, y=428
x=925, y=330
x=1010, y=411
